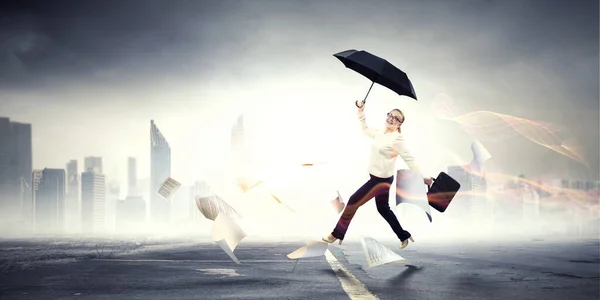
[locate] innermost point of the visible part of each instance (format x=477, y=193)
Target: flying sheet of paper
x=338, y=203
x=212, y=205
x=247, y=184
x=411, y=189
x=227, y=234
x=480, y=156
x=378, y=254
x=311, y=249
x=168, y=188
x=313, y=164
x=225, y=247
x=289, y=208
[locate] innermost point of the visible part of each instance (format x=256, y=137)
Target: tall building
x=471, y=201
x=15, y=171
x=93, y=201
x=530, y=200
x=114, y=192
x=131, y=176
x=131, y=214
x=93, y=162
x=460, y=174
x=183, y=204
x=73, y=208
x=461, y=205
x=160, y=169
x=583, y=185
x=239, y=147
x=478, y=201
x=36, y=177
x=49, y=197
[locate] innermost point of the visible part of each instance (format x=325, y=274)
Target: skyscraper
x=93, y=201
x=478, y=201
x=93, y=162
x=131, y=213
x=49, y=197
x=73, y=209
x=131, y=176
x=460, y=174
x=160, y=169
x=6, y=158
x=471, y=201
x=114, y=191
x=461, y=205
x=15, y=170
x=238, y=147
x=182, y=203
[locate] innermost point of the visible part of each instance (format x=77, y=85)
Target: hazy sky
x=89, y=76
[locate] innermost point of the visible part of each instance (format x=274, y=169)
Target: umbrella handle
x=367, y=95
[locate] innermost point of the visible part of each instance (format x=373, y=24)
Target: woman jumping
x=386, y=145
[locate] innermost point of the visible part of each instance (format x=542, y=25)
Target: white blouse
x=385, y=147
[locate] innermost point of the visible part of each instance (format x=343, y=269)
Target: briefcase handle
x=429, y=186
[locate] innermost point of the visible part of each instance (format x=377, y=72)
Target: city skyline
x=160, y=170
x=102, y=208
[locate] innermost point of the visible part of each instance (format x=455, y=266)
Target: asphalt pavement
x=186, y=269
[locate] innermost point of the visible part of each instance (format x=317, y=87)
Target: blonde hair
x=401, y=121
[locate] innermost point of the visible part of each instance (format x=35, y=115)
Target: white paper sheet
x=378, y=254
x=212, y=205
x=168, y=188
x=338, y=203
x=227, y=234
x=223, y=244
x=480, y=156
x=412, y=190
x=312, y=249
x=246, y=184
x=287, y=207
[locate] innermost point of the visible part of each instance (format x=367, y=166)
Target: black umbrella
x=377, y=70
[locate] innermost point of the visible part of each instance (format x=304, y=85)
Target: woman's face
x=393, y=120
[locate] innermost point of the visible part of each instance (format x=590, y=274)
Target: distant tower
x=49, y=195
x=478, y=202
x=112, y=198
x=239, y=147
x=462, y=205
x=15, y=171
x=93, y=201
x=93, y=162
x=36, y=177
x=131, y=177
x=73, y=209
x=160, y=169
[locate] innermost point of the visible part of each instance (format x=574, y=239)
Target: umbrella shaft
x=367, y=95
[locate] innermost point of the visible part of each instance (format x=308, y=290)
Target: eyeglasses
x=389, y=115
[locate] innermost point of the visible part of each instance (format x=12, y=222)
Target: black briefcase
x=442, y=191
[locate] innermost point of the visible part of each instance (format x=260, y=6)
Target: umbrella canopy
x=377, y=70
